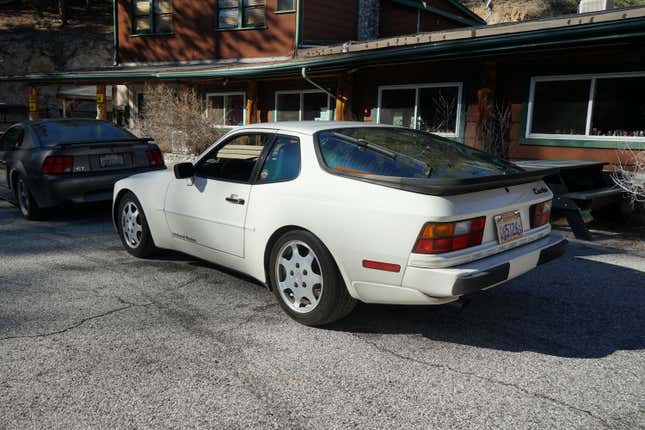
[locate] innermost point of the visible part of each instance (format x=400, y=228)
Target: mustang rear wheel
x=306, y=281
x=26, y=202
x=133, y=227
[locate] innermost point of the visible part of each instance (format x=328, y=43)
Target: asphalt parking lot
x=92, y=337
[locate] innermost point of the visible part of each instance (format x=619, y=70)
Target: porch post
x=251, y=103
x=115, y=103
x=33, y=103
x=486, y=101
x=343, y=108
x=101, y=105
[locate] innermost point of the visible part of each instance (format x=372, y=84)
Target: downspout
x=303, y=72
x=115, y=31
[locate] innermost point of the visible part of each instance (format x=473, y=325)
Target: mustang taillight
x=438, y=237
x=57, y=165
x=541, y=213
x=155, y=158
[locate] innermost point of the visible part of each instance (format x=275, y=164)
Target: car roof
x=309, y=127
x=63, y=120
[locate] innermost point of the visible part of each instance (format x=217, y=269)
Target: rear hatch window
x=404, y=153
x=68, y=131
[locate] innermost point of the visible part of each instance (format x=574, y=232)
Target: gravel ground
x=92, y=337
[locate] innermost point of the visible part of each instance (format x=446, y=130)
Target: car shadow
x=573, y=307
x=92, y=212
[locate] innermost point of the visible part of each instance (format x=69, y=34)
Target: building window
x=285, y=6
x=434, y=108
x=232, y=14
x=309, y=105
x=225, y=109
x=596, y=107
x=152, y=17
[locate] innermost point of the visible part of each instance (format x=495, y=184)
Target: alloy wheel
x=300, y=280
x=23, y=197
x=131, y=226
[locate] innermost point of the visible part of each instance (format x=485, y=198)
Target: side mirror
x=184, y=170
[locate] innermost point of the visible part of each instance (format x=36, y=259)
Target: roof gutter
x=303, y=73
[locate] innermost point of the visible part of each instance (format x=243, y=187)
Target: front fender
x=150, y=189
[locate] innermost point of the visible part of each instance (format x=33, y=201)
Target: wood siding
x=195, y=37
x=331, y=20
x=397, y=20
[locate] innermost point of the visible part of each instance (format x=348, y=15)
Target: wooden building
x=570, y=87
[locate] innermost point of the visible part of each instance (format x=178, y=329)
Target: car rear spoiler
x=449, y=187
x=108, y=142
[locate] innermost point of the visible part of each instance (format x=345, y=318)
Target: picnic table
x=578, y=187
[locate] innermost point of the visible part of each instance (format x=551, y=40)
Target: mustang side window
x=283, y=162
x=12, y=139
x=235, y=160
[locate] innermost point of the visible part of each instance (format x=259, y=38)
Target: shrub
x=175, y=119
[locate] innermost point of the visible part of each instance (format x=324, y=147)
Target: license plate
x=111, y=160
x=509, y=226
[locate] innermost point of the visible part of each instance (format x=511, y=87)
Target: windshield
x=405, y=153
x=81, y=130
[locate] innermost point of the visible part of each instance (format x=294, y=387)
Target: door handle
x=233, y=198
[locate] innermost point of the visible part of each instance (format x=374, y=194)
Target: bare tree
x=176, y=120
x=494, y=130
x=630, y=175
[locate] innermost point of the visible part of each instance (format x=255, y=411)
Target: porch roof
x=592, y=28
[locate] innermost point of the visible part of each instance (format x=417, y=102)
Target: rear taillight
x=541, y=213
x=438, y=237
x=155, y=158
x=58, y=165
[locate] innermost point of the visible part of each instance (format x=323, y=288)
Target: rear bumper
x=54, y=190
x=436, y=286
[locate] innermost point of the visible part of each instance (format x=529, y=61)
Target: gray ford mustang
x=48, y=163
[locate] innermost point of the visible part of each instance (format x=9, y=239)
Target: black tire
x=137, y=243
x=25, y=200
x=333, y=300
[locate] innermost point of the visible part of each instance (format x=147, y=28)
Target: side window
x=12, y=139
x=283, y=162
x=235, y=160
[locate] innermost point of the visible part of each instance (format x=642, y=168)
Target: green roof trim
x=554, y=37
x=473, y=20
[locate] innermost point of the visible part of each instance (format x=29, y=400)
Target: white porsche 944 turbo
x=328, y=213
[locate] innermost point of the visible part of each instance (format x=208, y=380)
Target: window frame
x=240, y=17
x=593, y=78
x=301, y=102
x=151, y=19
x=278, y=10
x=417, y=87
x=271, y=136
x=224, y=94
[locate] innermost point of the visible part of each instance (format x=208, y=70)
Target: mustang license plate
x=110, y=160
x=509, y=226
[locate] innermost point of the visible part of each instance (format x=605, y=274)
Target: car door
x=8, y=143
x=209, y=209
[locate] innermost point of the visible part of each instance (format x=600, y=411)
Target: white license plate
x=110, y=160
x=509, y=226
